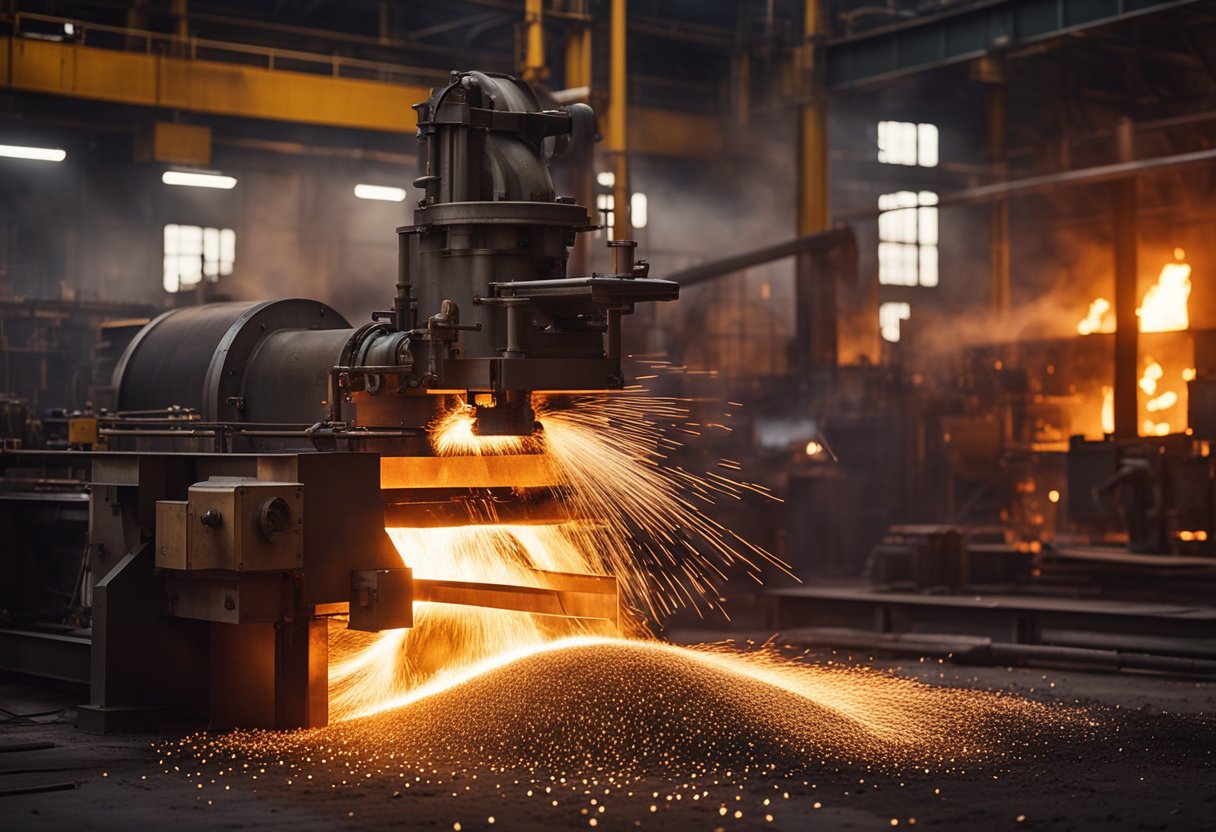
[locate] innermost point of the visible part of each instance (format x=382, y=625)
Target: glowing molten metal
x=646, y=530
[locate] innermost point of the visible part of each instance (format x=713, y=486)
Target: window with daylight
x=907, y=239
x=193, y=253
x=604, y=206
x=889, y=316
x=905, y=143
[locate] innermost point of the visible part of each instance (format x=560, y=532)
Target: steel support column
x=992, y=72
x=1127, y=326
x=534, y=69
x=741, y=88
x=814, y=290
x=301, y=656
x=179, y=9
x=617, y=135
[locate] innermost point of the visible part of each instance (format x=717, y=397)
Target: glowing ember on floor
x=645, y=531
x=596, y=718
x=472, y=693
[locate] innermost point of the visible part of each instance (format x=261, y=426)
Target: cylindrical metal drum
x=266, y=362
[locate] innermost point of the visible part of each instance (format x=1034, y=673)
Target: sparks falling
x=584, y=728
x=637, y=521
x=555, y=716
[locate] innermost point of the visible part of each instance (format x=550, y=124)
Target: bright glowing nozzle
x=507, y=414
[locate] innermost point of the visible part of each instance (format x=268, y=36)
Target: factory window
x=905, y=143
x=604, y=204
x=907, y=239
x=193, y=253
x=889, y=316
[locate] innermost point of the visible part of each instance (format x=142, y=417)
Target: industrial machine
x=241, y=488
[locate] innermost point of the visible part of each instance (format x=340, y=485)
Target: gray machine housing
x=238, y=499
x=482, y=304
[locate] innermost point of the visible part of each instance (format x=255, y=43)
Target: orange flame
x=1108, y=409
x=1165, y=304
x=1099, y=319
x=1164, y=308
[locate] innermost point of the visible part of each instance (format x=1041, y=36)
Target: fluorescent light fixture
x=198, y=180
x=570, y=95
x=41, y=154
x=381, y=192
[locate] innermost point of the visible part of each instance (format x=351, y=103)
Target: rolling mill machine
x=241, y=490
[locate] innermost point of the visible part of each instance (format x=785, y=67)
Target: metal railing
x=70, y=31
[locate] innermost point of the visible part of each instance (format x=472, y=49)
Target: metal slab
x=1020, y=619
x=49, y=655
x=513, y=471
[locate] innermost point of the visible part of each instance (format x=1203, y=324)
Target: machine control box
x=232, y=524
x=381, y=599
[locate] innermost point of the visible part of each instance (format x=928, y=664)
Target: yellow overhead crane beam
x=203, y=86
x=233, y=89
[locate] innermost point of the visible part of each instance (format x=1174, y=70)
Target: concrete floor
x=1151, y=767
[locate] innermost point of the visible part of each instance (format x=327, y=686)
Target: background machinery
x=239, y=492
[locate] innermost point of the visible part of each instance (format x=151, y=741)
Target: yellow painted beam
x=210, y=86
x=289, y=96
x=253, y=92
x=618, y=133
x=83, y=72
x=655, y=132
x=812, y=202
x=578, y=57
x=535, y=69
x=185, y=144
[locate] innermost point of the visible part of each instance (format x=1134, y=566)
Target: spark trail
x=474, y=693
x=640, y=525
x=616, y=730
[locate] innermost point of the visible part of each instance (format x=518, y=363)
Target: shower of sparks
x=584, y=727
x=367, y=671
x=590, y=729
x=606, y=454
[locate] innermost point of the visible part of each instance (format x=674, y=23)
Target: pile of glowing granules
x=620, y=734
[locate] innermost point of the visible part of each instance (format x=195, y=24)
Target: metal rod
x=967, y=650
x=1085, y=176
x=618, y=145
x=402, y=302
x=823, y=242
